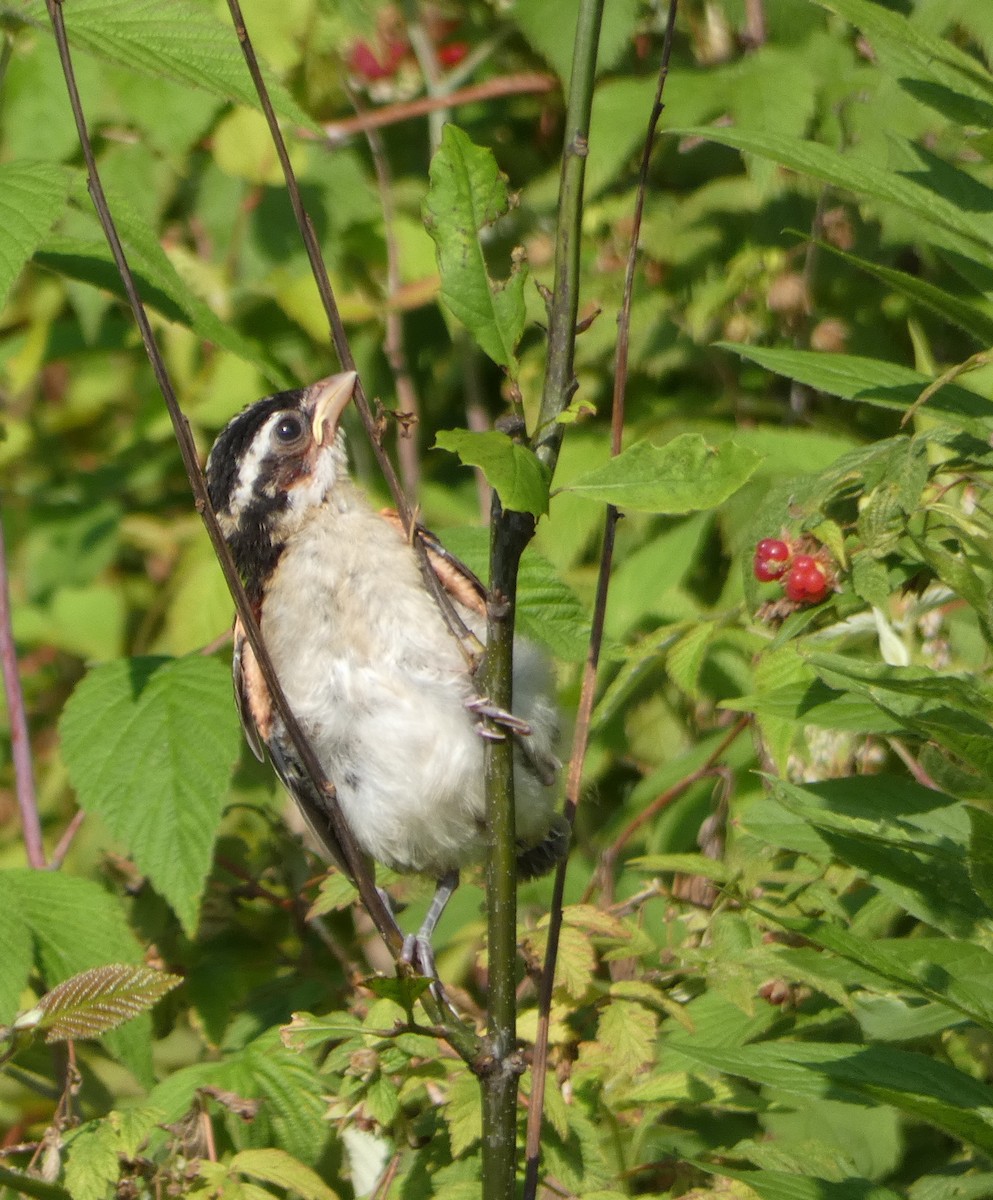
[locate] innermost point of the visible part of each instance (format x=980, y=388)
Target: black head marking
x=252, y=546
x=234, y=440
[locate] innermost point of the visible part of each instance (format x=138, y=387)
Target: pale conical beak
x=329, y=398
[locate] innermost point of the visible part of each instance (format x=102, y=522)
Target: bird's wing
x=462, y=585
x=250, y=692
x=257, y=719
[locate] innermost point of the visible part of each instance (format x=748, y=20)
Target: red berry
x=452, y=53
x=363, y=62
x=771, y=558
x=806, y=583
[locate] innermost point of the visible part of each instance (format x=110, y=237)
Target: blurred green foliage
x=776, y=961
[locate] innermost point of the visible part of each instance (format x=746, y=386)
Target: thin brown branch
x=588, y=690
x=65, y=842
x=408, y=403
x=664, y=799
x=526, y=83
x=20, y=743
x=383, y=917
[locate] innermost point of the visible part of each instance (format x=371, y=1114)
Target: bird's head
x=275, y=463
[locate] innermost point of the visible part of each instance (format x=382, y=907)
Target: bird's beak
x=328, y=398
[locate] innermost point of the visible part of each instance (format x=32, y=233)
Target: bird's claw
x=499, y=716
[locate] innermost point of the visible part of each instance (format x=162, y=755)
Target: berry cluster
x=804, y=576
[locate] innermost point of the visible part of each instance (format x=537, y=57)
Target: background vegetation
x=775, y=966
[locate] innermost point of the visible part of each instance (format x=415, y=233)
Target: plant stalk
x=510, y=533
x=563, y=309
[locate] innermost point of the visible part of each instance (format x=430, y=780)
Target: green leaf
x=74, y=924
x=854, y=174
x=98, y=1000
x=173, y=38
x=872, y=381
x=969, y=316
x=628, y=1033
x=278, y=1167
x=89, y=260
x=150, y=744
x=15, y=952
x=93, y=1163
x=903, y=46
x=779, y=1185
x=463, y=1113
x=816, y=703
x=919, y=1086
x=548, y=610
x=981, y=854
x=466, y=195
x=32, y=197
x=550, y=28
x=520, y=479
x=908, y=840
x=685, y=475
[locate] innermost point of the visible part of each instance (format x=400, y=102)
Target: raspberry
x=452, y=53
x=806, y=583
x=771, y=559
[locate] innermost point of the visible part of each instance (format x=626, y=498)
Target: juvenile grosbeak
x=370, y=667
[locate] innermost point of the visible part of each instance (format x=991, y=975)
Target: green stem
x=510, y=533
x=564, y=306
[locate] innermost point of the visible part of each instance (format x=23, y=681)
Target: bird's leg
x=418, y=945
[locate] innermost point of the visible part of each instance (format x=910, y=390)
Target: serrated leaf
x=182, y=41
x=100, y=999
x=968, y=316
x=628, y=1031
x=576, y=960
x=908, y=50
x=922, y=1087
x=685, y=475
x=381, y=1101
x=519, y=477
x=854, y=174
x=686, y=658
x=15, y=952
x=32, y=197
x=279, y=1168
x=93, y=1163
x=463, y=1113
x=150, y=744
x=548, y=610
x=307, y=1032
x=779, y=1185
x=683, y=864
x=870, y=581
x=871, y=381
x=466, y=195
x=75, y=924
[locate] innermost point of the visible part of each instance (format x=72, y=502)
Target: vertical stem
x=20, y=746
x=588, y=690
x=564, y=306
x=510, y=532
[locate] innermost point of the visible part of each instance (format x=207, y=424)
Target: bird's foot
x=499, y=716
x=418, y=953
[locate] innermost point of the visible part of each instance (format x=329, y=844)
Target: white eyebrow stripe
x=248, y=472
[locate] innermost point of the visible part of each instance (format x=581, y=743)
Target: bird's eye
x=289, y=430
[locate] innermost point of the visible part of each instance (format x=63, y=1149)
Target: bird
x=383, y=688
